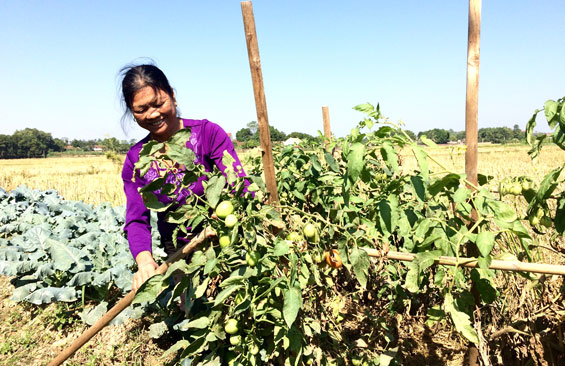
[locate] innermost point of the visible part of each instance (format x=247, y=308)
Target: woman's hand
x=146, y=267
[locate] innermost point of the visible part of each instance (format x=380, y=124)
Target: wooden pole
x=471, y=132
x=260, y=102
x=327, y=129
x=513, y=266
x=126, y=301
x=472, y=98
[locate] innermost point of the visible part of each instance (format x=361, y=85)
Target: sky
x=60, y=62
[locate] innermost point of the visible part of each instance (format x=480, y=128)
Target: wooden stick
x=514, y=266
x=472, y=98
x=126, y=301
x=327, y=129
x=260, y=102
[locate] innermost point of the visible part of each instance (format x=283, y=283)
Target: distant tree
x=437, y=135
x=253, y=127
x=518, y=133
x=243, y=135
x=411, y=134
x=276, y=135
x=32, y=143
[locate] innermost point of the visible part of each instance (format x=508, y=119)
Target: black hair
x=136, y=77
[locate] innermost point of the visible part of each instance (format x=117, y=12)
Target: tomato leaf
x=292, y=304
x=355, y=160
x=485, y=242
x=360, y=262
x=461, y=320
x=214, y=190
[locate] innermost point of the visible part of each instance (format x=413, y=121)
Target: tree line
x=33, y=143
x=249, y=136
x=495, y=135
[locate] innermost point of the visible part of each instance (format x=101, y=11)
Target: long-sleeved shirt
x=208, y=141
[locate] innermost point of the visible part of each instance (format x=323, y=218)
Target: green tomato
x=231, y=326
x=293, y=236
x=534, y=220
x=356, y=361
x=224, y=209
x=252, y=258
x=235, y=340
x=309, y=231
x=231, y=221
x=317, y=257
x=515, y=188
x=526, y=185
x=254, y=349
x=546, y=221
x=239, y=298
x=539, y=212
x=224, y=241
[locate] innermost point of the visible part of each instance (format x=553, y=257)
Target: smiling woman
x=150, y=100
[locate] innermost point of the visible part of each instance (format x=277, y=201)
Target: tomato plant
x=350, y=195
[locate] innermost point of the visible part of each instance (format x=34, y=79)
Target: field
x=96, y=180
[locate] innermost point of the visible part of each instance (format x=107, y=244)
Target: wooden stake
x=327, y=129
x=472, y=99
x=260, y=102
x=126, y=301
x=514, y=266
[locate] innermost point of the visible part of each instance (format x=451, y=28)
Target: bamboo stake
x=513, y=266
x=260, y=102
x=327, y=129
x=126, y=301
x=472, y=97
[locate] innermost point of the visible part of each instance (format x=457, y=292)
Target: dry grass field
x=96, y=179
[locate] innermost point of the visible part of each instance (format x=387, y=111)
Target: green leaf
x=331, y=162
x=461, y=320
x=550, y=110
x=422, y=159
x=292, y=304
x=47, y=295
x=180, y=138
x=150, y=289
x=530, y=128
x=427, y=141
x=355, y=160
x=389, y=155
x=501, y=210
x=64, y=256
x=485, y=242
x=360, y=262
x=200, y=323
x=214, y=190
x=181, y=155
x=156, y=330
x=225, y=293
x=281, y=248
x=152, y=203
x=412, y=281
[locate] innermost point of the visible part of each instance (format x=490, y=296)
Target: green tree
x=244, y=135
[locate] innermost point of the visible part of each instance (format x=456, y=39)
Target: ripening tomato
x=334, y=259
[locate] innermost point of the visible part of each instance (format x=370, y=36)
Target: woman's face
x=155, y=112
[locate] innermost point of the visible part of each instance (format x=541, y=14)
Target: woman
x=150, y=100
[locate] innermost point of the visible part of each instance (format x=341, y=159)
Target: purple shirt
x=208, y=141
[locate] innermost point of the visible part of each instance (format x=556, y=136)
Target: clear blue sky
x=60, y=60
